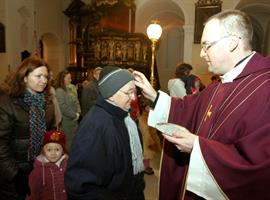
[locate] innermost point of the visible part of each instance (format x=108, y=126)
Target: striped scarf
x=37, y=122
x=135, y=145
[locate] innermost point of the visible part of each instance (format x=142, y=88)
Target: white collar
x=231, y=75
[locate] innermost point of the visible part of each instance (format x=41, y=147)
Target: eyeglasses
x=130, y=94
x=207, y=45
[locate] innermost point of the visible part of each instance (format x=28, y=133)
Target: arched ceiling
x=244, y=3
x=257, y=9
x=166, y=12
x=259, y=12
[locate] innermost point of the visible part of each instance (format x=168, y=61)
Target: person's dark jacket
x=189, y=83
x=15, y=165
x=100, y=162
x=89, y=96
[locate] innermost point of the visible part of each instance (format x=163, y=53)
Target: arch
x=170, y=53
x=267, y=40
x=171, y=44
x=258, y=36
x=51, y=51
x=2, y=38
x=244, y=3
x=259, y=12
x=151, y=10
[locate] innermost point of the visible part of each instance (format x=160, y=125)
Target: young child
x=47, y=178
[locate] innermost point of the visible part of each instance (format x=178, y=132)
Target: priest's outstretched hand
x=147, y=90
x=182, y=139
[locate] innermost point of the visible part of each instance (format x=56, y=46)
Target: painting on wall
x=203, y=10
x=2, y=39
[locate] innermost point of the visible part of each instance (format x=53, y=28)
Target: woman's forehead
x=129, y=85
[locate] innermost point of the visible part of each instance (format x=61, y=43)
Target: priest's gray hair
x=236, y=23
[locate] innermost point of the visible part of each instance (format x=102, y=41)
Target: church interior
x=82, y=34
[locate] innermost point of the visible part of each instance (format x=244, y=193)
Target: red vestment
x=234, y=138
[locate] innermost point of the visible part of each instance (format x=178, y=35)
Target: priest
x=222, y=148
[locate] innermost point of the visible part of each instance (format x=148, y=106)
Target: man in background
x=90, y=92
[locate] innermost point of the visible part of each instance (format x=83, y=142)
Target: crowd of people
x=39, y=120
x=56, y=143
x=184, y=82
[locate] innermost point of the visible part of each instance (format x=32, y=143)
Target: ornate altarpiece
x=102, y=33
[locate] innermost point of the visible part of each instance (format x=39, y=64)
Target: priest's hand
x=182, y=139
x=147, y=90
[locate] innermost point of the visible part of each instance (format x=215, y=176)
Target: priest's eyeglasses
x=207, y=45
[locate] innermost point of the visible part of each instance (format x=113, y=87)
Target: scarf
x=72, y=91
x=135, y=145
x=37, y=122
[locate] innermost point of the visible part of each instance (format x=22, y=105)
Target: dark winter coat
x=100, y=162
x=14, y=141
x=89, y=96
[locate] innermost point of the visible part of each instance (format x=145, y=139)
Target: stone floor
x=152, y=150
x=151, y=189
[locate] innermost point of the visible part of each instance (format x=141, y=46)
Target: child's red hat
x=55, y=137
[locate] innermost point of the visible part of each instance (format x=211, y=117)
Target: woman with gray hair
x=106, y=158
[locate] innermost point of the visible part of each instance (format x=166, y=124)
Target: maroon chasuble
x=232, y=121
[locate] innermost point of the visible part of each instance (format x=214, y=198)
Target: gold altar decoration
x=104, y=35
x=128, y=3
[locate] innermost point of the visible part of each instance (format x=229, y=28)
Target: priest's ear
x=234, y=42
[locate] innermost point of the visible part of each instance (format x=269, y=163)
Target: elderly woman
x=106, y=159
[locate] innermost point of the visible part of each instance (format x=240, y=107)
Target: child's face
x=53, y=151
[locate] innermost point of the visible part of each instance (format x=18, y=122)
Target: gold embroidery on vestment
x=209, y=113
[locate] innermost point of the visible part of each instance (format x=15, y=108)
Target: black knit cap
x=112, y=79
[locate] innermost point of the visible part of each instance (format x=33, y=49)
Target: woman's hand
x=147, y=90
